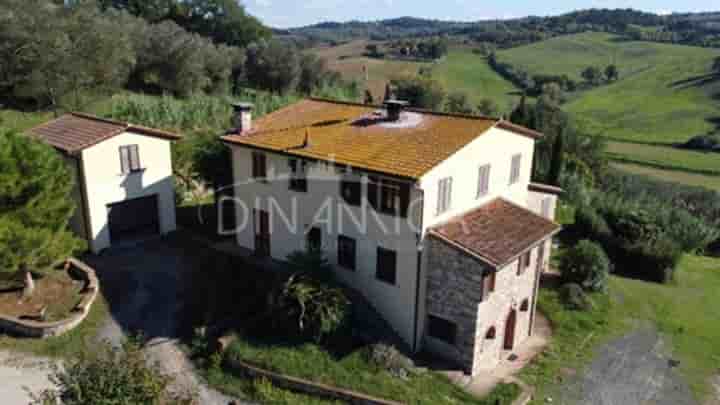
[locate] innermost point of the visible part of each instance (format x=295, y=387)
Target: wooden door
x=509, y=343
x=262, y=233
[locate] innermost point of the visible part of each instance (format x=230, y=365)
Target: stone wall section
x=455, y=293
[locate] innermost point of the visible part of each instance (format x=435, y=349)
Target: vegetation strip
x=305, y=386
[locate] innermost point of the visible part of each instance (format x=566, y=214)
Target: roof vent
x=394, y=108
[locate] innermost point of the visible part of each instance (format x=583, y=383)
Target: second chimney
x=394, y=108
x=242, y=117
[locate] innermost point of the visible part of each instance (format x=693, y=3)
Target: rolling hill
x=664, y=95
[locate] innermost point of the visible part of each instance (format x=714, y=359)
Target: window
x=483, y=181
x=442, y=329
x=314, y=240
x=444, y=195
x=298, y=179
x=259, y=166
x=525, y=306
x=515, y=168
x=386, y=265
x=351, y=191
x=489, y=283
x=524, y=262
x=389, y=196
x=491, y=333
x=346, y=252
x=129, y=159
x=545, y=208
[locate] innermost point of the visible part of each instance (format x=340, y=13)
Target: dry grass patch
x=57, y=292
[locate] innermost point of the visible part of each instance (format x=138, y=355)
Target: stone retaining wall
x=304, y=386
x=37, y=329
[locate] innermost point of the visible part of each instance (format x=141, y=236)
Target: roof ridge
x=415, y=109
x=99, y=119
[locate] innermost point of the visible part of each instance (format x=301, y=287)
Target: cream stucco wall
x=397, y=303
x=322, y=206
x=105, y=184
x=495, y=147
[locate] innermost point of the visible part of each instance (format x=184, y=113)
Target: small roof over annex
x=73, y=132
x=366, y=137
x=496, y=232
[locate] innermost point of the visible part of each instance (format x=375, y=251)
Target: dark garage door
x=133, y=218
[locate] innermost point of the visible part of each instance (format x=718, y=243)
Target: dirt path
x=633, y=369
x=144, y=287
x=21, y=372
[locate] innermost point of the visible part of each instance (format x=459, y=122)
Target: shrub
x=574, y=297
x=390, y=359
x=586, y=264
x=590, y=224
x=111, y=376
x=307, y=307
x=709, y=142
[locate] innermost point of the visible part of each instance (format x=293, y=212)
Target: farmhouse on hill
x=124, y=188
x=431, y=216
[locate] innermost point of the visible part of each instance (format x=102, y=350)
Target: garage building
x=124, y=182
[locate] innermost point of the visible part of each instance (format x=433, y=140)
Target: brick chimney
x=242, y=117
x=394, y=108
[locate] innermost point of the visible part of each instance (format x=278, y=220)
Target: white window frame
x=444, y=201
x=515, y=168
x=483, y=185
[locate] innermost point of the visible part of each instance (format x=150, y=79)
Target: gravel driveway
x=143, y=286
x=631, y=370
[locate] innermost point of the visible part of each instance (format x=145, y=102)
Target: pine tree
x=35, y=208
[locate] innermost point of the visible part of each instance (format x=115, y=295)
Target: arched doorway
x=509, y=343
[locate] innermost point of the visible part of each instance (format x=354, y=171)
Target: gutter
x=416, y=321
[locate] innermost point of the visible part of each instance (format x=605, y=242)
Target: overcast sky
x=295, y=13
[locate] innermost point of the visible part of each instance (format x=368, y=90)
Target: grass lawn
x=79, y=340
x=686, y=312
x=690, y=179
x=353, y=371
x=465, y=71
x=665, y=157
x=650, y=102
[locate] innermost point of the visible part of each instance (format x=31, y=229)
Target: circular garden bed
x=60, y=301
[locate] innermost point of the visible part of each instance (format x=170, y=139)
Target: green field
x=664, y=94
x=682, y=177
x=665, y=157
x=468, y=72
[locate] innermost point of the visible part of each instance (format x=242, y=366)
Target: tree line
x=52, y=54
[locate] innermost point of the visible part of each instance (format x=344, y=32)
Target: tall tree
x=36, y=205
x=522, y=114
x=557, y=162
x=272, y=65
x=612, y=73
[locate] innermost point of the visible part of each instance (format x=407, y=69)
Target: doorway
x=509, y=343
x=262, y=233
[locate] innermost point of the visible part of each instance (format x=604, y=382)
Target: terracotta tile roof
x=354, y=135
x=497, y=232
x=75, y=131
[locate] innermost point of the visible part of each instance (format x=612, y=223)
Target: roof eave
x=519, y=129
x=233, y=142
